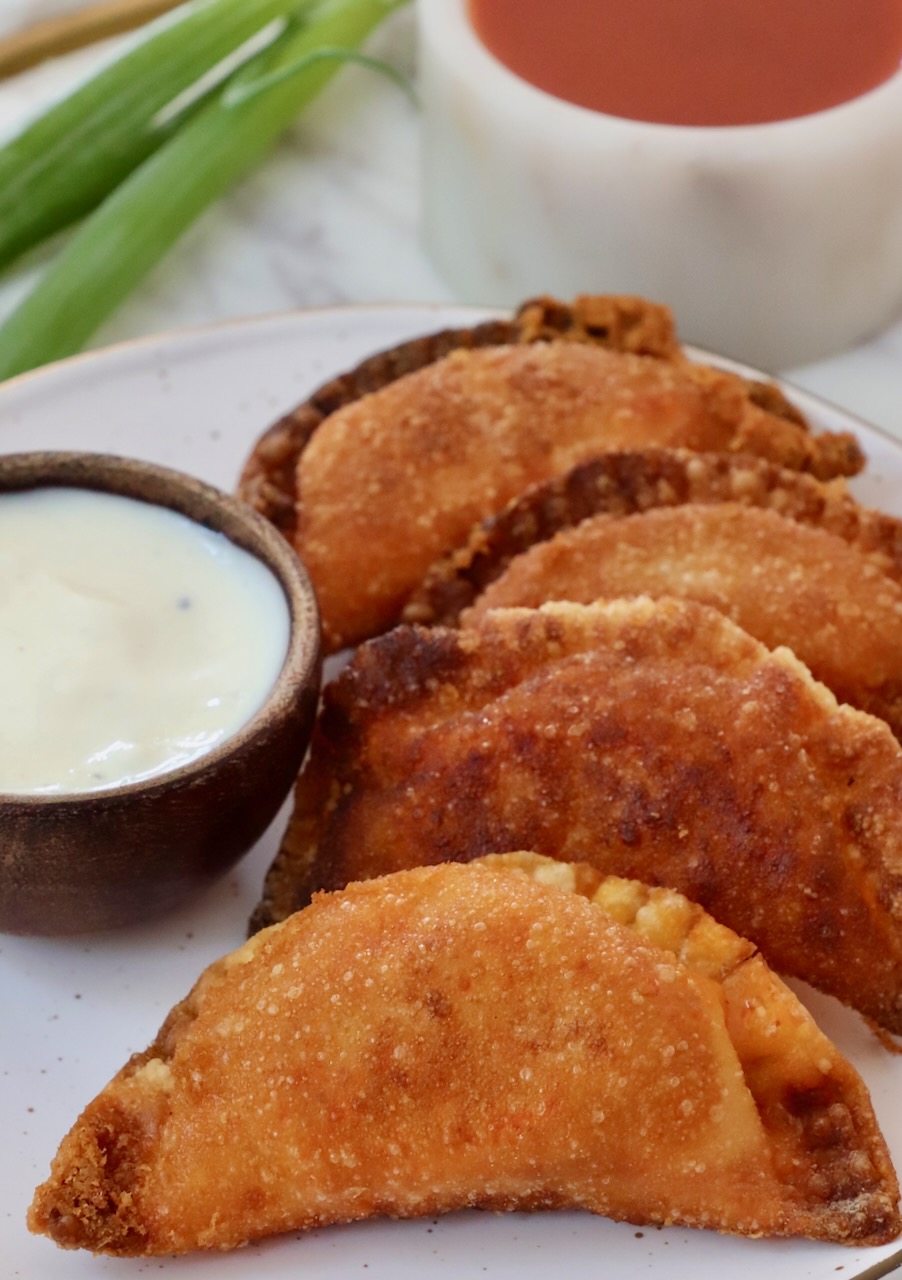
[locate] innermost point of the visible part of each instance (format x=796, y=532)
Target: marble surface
x=333, y=217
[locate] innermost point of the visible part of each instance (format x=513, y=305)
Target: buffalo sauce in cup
x=696, y=62
x=737, y=160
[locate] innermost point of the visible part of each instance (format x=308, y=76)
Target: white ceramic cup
x=776, y=243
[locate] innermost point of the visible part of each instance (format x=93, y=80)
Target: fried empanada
x=782, y=582
x=269, y=478
x=654, y=740
x=462, y=1036
x=388, y=483
x=624, y=482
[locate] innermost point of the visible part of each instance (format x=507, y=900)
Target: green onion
x=128, y=234
x=67, y=161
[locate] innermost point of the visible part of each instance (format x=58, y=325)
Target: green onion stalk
x=61, y=166
x=127, y=234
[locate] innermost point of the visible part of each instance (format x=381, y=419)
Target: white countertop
x=332, y=218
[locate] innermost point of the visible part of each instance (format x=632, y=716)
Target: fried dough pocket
x=269, y=477
x=783, y=582
x=461, y=1036
x=387, y=481
x=655, y=740
x=630, y=481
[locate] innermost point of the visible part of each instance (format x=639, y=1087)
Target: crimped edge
x=625, y=482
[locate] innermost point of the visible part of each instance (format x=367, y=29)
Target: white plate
x=71, y=1011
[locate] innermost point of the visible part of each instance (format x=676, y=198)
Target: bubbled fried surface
x=661, y=916
x=624, y=323
x=806, y=1093
x=781, y=581
x=393, y=481
x=654, y=740
x=624, y=482
x=457, y=1036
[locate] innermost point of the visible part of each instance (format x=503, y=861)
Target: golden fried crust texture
x=626, y=482
x=623, y=323
x=652, y=739
x=393, y=481
x=471, y=1036
x=784, y=583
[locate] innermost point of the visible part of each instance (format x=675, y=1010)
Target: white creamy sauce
x=132, y=640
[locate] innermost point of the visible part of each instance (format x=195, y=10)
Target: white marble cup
x=775, y=243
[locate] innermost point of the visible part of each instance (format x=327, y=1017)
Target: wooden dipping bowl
x=78, y=862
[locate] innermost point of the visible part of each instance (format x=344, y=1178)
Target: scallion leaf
x=128, y=234
x=69, y=159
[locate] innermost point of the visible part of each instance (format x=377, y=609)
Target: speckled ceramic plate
x=72, y=1011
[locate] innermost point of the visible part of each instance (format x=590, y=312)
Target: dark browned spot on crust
x=626, y=482
x=93, y=1205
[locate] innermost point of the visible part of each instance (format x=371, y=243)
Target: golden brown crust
x=783, y=582
x=268, y=481
x=627, y=481
x=661, y=916
x=776, y=1041
x=416, y=449
x=391, y=482
x=471, y=1036
x=618, y=322
x=654, y=740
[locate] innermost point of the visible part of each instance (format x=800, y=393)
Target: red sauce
x=696, y=62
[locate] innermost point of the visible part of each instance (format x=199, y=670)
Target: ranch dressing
x=132, y=640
